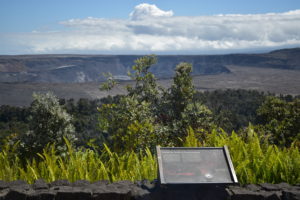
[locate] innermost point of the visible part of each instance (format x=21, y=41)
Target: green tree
x=281, y=120
x=48, y=123
x=149, y=112
x=182, y=90
x=232, y=109
x=182, y=111
x=129, y=124
x=145, y=87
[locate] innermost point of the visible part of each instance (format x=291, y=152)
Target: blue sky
x=157, y=26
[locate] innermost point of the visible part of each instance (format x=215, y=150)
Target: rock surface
x=142, y=190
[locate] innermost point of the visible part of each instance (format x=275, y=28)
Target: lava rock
x=42, y=195
x=244, y=194
x=143, y=190
x=253, y=187
x=292, y=194
x=274, y=187
x=3, y=185
x=80, y=183
x=60, y=183
x=147, y=185
x=73, y=193
x=3, y=194
x=114, y=191
x=16, y=194
x=40, y=184
x=100, y=183
x=20, y=184
x=138, y=193
x=284, y=185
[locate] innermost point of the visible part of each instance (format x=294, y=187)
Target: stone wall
x=142, y=190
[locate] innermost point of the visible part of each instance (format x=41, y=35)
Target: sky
x=149, y=26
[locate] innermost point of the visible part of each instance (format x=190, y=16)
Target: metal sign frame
x=226, y=156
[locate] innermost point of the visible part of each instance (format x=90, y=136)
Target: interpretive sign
x=205, y=165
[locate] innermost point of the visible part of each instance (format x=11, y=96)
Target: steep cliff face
x=84, y=68
x=58, y=68
x=87, y=68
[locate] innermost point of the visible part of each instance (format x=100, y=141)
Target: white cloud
x=146, y=11
x=150, y=29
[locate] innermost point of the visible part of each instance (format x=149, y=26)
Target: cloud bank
x=152, y=30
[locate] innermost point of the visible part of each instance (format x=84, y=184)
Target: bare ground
x=263, y=79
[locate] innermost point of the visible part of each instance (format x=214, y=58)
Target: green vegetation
x=79, y=164
x=48, y=123
x=149, y=113
x=233, y=109
x=254, y=158
x=116, y=136
x=281, y=120
x=255, y=161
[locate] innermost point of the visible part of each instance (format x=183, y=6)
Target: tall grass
x=78, y=165
x=254, y=159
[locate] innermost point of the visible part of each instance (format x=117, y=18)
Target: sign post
x=204, y=165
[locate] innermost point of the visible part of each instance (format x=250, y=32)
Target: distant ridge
x=287, y=51
x=78, y=76
x=70, y=68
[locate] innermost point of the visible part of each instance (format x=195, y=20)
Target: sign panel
x=207, y=165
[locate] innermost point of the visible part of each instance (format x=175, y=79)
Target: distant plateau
x=79, y=76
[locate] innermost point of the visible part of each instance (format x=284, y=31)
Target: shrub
x=48, y=123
